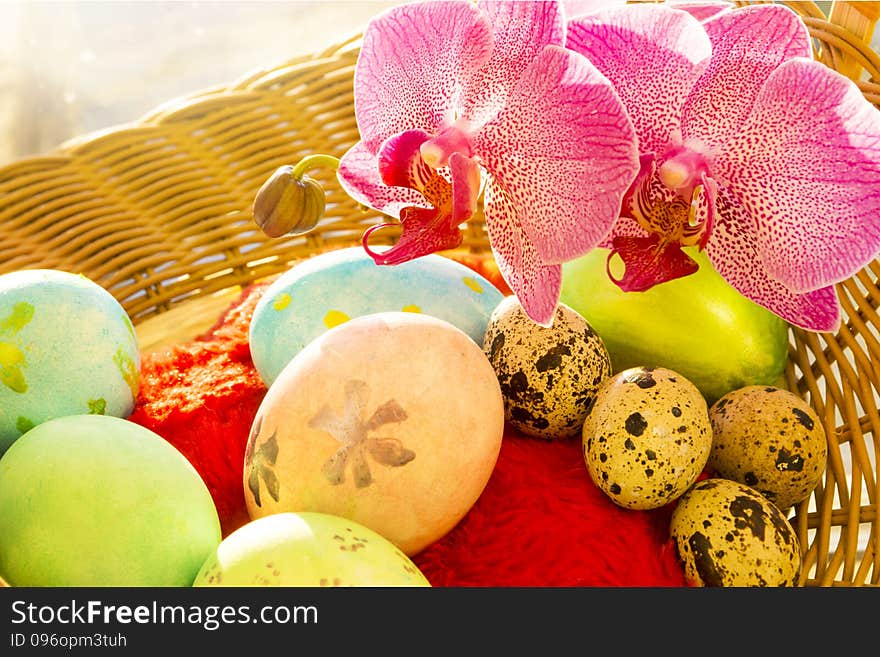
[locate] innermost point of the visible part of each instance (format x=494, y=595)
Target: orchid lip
x=453, y=139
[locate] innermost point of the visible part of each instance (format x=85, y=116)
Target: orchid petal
x=358, y=175
x=702, y=11
x=653, y=55
x=535, y=284
x=564, y=151
x=747, y=45
x=648, y=262
x=400, y=162
x=575, y=8
x=806, y=167
x=623, y=227
x=733, y=253
x=520, y=30
x=414, y=62
x=466, y=187
x=425, y=231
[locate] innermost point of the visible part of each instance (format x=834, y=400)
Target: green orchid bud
x=288, y=204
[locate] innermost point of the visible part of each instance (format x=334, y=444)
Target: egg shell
x=728, y=534
x=95, y=500
x=307, y=549
x=67, y=347
x=333, y=287
x=771, y=440
x=647, y=437
x=549, y=376
x=393, y=420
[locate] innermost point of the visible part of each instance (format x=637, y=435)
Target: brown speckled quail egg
x=769, y=439
x=728, y=534
x=647, y=437
x=548, y=375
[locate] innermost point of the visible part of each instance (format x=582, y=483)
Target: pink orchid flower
x=454, y=99
x=749, y=148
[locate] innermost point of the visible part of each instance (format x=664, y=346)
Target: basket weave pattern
x=158, y=212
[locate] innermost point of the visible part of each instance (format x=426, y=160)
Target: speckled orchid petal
x=747, y=45
x=811, y=183
x=413, y=65
x=359, y=177
x=733, y=252
x=535, y=284
x=564, y=150
x=653, y=55
x=648, y=262
x=520, y=31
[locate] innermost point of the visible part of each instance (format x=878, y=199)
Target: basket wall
x=158, y=212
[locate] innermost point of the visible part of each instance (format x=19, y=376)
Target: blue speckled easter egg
x=67, y=347
x=333, y=287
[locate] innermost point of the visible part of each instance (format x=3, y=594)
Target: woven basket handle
x=860, y=18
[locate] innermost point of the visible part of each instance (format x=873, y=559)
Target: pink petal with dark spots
x=564, y=151
x=520, y=31
x=747, y=45
x=535, y=284
x=414, y=63
x=623, y=227
x=733, y=252
x=425, y=231
x=648, y=262
x=806, y=167
x=358, y=175
x=400, y=161
x=653, y=55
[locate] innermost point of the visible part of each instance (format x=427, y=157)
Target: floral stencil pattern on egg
x=262, y=462
x=352, y=432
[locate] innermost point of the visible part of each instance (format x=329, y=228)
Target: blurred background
x=68, y=68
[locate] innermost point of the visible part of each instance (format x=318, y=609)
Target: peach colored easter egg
x=393, y=420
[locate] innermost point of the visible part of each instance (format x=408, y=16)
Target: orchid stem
x=312, y=162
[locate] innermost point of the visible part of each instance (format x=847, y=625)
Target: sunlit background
x=69, y=68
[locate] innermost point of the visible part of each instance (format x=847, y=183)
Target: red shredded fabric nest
x=540, y=521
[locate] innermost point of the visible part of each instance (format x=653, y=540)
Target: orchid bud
x=287, y=205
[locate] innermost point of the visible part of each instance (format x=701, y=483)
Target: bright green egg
x=95, y=500
x=307, y=549
x=698, y=325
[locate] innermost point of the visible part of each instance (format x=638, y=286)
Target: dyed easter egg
x=67, y=347
x=95, y=500
x=307, y=549
x=393, y=420
x=333, y=287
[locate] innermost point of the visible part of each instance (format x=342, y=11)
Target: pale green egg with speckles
x=67, y=347
x=307, y=549
x=331, y=288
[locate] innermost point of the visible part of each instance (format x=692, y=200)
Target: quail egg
x=548, y=375
x=647, y=437
x=769, y=439
x=728, y=534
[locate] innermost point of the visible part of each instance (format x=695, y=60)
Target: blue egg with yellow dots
x=67, y=347
x=328, y=289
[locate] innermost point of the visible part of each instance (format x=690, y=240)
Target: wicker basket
x=159, y=213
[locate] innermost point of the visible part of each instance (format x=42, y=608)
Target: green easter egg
x=307, y=549
x=697, y=325
x=95, y=500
